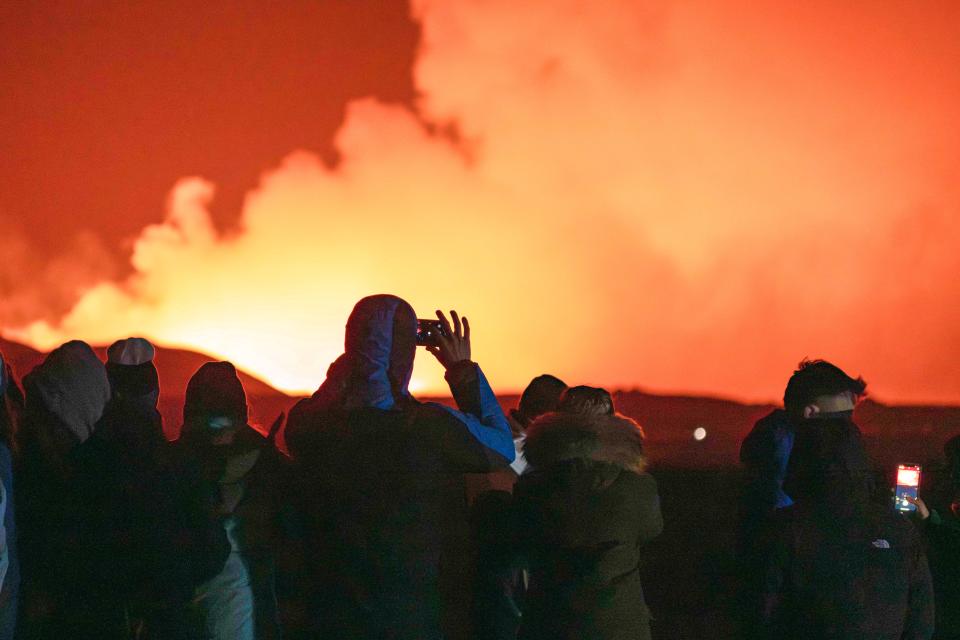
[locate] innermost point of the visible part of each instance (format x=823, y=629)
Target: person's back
x=384, y=477
x=585, y=509
x=817, y=390
x=132, y=566
x=859, y=579
x=843, y=565
x=235, y=470
x=500, y=580
x=391, y=495
x=11, y=405
x=65, y=397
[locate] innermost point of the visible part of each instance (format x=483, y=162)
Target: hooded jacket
x=384, y=488
x=72, y=386
x=585, y=509
x=65, y=397
x=844, y=565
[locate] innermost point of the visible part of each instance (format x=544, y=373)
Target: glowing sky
x=684, y=196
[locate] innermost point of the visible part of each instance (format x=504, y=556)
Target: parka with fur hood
x=584, y=511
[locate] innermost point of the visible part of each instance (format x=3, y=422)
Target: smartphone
x=429, y=332
x=908, y=481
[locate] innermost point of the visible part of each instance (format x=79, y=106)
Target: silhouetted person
x=585, y=509
x=11, y=408
x=501, y=581
x=238, y=470
x=389, y=534
x=541, y=396
x=844, y=564
x=65, y=397
x=941, y=528
x=817, y=390
x=135, y=566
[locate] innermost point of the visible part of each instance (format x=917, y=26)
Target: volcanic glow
x=680, y=196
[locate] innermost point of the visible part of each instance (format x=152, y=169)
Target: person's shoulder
x=432, y=413
x=776, y=420
x=765, y=435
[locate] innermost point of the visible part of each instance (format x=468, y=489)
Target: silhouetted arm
x=478, y=410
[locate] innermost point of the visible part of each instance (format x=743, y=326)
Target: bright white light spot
x=699, y=433
x=416, y=385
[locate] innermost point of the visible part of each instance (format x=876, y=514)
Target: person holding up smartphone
x=383, y=476
x=843, y=564
x=941, y=528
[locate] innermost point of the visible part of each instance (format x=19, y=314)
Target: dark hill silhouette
x=175, y=367
x=894, y=433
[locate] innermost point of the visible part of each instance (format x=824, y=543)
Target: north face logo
x=880, y=543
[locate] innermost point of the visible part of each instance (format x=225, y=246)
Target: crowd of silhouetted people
x=382, y=517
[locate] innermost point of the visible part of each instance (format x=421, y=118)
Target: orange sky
x=684, y=196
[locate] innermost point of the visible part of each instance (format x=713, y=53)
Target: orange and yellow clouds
x=680, y=196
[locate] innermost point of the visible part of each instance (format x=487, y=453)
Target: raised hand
x=454, y=345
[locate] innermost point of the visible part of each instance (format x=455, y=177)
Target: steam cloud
x=681, y=198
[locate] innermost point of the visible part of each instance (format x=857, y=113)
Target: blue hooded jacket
x=383, y=483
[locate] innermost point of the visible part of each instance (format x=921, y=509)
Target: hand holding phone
x=923, y=512
x=452, y=343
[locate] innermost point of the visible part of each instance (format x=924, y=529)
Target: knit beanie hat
x=214, y=391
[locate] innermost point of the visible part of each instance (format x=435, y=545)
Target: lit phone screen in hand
x=908, y=481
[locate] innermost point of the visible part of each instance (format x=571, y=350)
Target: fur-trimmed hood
x=612, y=439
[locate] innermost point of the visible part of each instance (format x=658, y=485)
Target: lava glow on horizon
x=681, y=196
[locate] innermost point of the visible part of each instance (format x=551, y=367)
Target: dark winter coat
x=239, y=484
x=11, y=579
x=942, y=532
x=145, y=538
x=383, y=484
x=65, y=397
x=585, y=509
x=11, y=407
x=843, y=565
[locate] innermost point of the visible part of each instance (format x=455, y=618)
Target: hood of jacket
x=611, y=439
x=377, y=362
x=71, y=384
